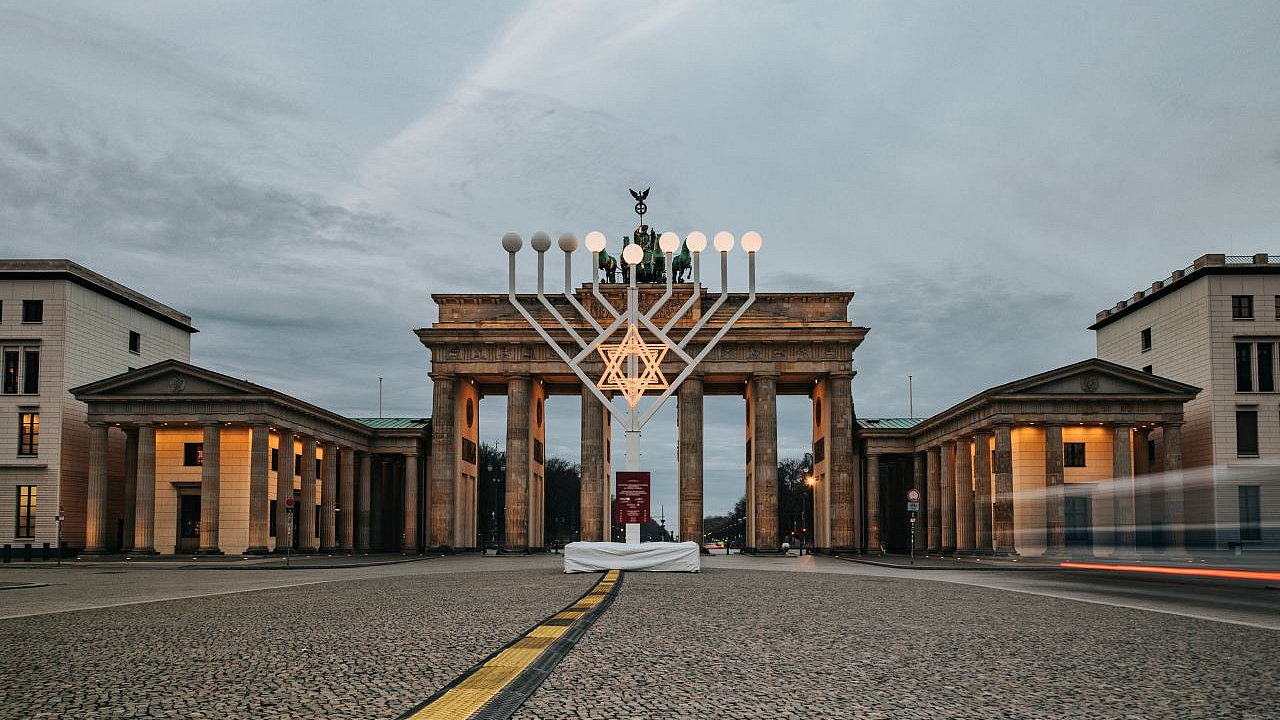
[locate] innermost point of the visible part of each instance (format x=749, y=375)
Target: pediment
x=1096, y=377
x=170, y=378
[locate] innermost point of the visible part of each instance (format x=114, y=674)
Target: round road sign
x=913, y=495
x=288, y=502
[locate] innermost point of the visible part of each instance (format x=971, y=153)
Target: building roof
x=1210, y=264
x=395, y=423
x=62, y=269
x=889, y=423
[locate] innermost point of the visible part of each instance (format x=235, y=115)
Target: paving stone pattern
x=743, y=644
x=360, y=649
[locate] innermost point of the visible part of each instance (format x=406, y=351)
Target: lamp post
x=623, y=361
x=812, y=482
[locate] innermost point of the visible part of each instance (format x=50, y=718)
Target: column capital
x=841, y=374
x=95, y=424
x=948, y=441
x=984, y=431
x=1171, y=424
x=1002, y=424
x=771, y=374
x=437, y=375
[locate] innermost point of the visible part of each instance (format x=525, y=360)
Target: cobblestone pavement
x=749, y=644
x=358, y=649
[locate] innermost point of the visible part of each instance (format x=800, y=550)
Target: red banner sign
x=631, y=502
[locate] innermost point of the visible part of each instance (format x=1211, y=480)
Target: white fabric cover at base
x=650, y=556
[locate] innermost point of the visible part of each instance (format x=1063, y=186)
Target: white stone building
x=1214, y=325
x=63, y=325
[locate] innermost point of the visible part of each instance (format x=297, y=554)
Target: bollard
x=44, y=553
x=8, y=553
x=26, y=552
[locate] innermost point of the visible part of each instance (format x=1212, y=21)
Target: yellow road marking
x=482, y=684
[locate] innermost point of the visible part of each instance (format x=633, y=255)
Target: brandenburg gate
x=784, y=344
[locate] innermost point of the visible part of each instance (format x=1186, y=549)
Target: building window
x=820, y=450
x=1278, y=307
x=21, y=370
x=1146, y=339
x=193, y=454
x=1250, y=514
x=275, y=460
x=1148, y=369
x=25, y=524
x=1241, y=307
x=1266, y=368
x=29, y=434
x=1151, y=452
x=32, y=311
x=468, y=451
x=31, y=371
x=271, y=519
x=1073, y=454
x=1244, y=367
x=135, y=342
x=1247, y=433
x=297, y=464
x=537, y=451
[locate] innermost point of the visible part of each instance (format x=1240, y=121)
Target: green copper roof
x=889, y=423
x=394, y=423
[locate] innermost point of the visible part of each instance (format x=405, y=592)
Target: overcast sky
x=300, y=177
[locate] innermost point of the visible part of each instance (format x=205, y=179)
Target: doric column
x=1174, y=508
x=844, y=501
x=210, y=489
x=444, y=461
x=934, y=497
x=947, y=460
x=765, y=461
x=919, y=530
x=516, y=532
x=259, y=479
x=96, y=503
x=966, y=534
x=366, y=497
x=329, y=499
x=307, y=497
x=982, y=492
x=410, y=546
x=284, y=487
x=689, y=427
x=130, y=486
x=1055, y=523
x=144, y=517
x=346, y=499
x=1003, y=532
x=873, y=502
x=595, y=485
x=1147, y=505
x=1122, y=491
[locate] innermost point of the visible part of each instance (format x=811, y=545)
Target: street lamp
x=812, y=482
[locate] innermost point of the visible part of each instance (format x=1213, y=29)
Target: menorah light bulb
x=595, y=241
x=669, y=242
x=723, y=241
x=696, y=242
x=511, y=242
x=633, y=254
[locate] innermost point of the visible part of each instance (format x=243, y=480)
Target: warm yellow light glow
x=633, y=254
x=810, y=480
x=723, y=241
x=615, y=376
x=595, y=241
x=696, y=242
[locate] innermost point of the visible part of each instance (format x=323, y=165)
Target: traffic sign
x=913, y=495
x=913, y=507
x=288, y=502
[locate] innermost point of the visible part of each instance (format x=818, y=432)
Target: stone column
x=982, y=492
x=366, y=496
x=410, y=503
x=594, y=488
x=919, y=530
x=1055, y=524
x=144, y=517
x=284, y=487
x=329, y=499
x=764, y=470
x=873, y=502
x=444, y=462
x=844, y=501
x=935, y=498
x=211, y=490
x=307, y=497
x=1003, y=533
x=966, y=534
x=689, y=427
x=1174, y=505
x=130, y=486
x=1122, y=492
x=1146, y=505
x=96, y=503
x=346, y=499
x=259, y=478
x=947, y=462
x=516, y=532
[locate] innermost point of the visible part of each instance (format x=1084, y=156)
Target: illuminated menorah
x=632, y=366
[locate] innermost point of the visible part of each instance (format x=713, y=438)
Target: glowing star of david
x=615, y=376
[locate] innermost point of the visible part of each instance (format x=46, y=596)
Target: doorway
x=1079, y=528
x=188, y=523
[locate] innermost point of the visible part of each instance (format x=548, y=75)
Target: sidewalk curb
x=961, y=565
x=214, y=565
